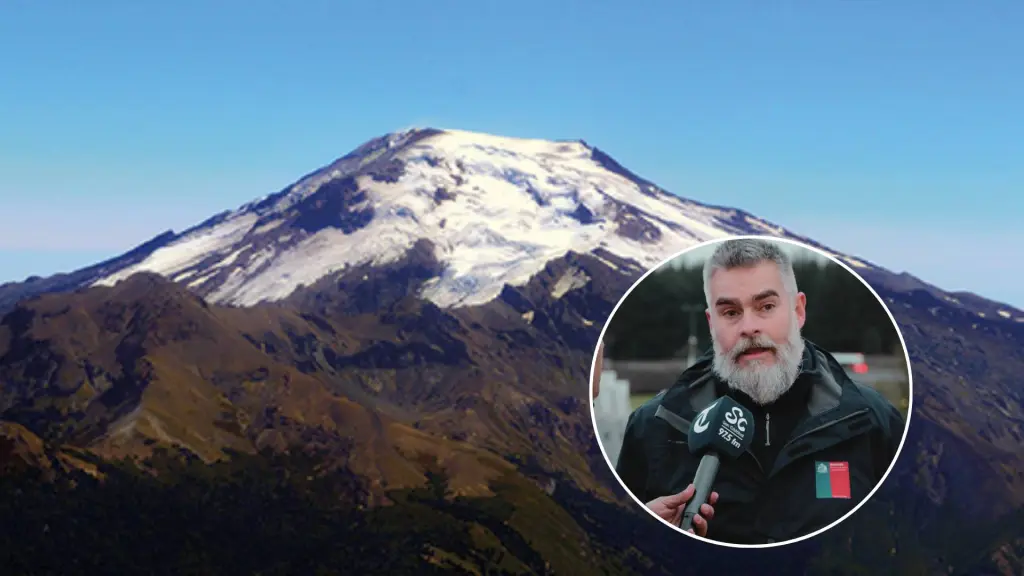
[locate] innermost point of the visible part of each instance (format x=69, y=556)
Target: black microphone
x=722, y=430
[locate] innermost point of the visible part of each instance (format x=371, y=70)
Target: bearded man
x=821, y=442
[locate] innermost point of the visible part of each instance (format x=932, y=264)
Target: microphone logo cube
x=722, y=427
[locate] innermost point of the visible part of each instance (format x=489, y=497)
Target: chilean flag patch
x=832, y=479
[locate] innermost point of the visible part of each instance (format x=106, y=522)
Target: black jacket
x=826, y=418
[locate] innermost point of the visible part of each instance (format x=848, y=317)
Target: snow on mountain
x=496, y=210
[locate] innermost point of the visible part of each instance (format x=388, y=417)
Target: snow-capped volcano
x=456, y=218
x=495, y=210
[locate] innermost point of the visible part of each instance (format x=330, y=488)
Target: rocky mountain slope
x=430, y=302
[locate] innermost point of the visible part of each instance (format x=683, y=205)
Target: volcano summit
x=495, y=211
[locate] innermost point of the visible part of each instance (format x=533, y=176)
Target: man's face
x=755, y=326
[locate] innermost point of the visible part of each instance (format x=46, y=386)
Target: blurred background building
x=660, y=329
x=612, y=408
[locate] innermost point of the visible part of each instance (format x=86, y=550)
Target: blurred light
x=860, y=368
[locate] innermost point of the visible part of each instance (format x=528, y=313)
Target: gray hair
x=746, y=253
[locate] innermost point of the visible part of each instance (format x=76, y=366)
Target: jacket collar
x=832, y=399
x=698, y=386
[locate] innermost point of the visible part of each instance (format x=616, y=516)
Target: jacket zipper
x=767, y=429
x=812, y=431
x=826, y=425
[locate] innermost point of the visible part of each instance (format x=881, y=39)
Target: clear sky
x=890, y=130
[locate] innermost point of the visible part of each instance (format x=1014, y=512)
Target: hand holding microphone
x=670, y=509
x=722, y=430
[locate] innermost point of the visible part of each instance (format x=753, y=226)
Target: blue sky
x=890, y=130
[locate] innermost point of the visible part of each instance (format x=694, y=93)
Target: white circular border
x=910, y=389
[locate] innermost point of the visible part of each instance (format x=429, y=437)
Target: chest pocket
x=819, y=489
x=672, y=467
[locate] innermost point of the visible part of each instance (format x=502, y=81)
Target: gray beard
x=762, y=382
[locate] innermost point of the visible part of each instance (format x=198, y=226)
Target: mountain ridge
x=734, y=220
x=555, y=196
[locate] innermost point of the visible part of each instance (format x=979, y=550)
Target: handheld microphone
x=724, y=429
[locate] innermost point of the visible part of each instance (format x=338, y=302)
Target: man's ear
x=801, y=308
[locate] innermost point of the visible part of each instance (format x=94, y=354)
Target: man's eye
x=730, y=313
x=768, y=307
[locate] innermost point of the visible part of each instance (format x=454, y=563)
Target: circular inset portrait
x=751, y=391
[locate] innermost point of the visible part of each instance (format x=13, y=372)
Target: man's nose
x=750, y=326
